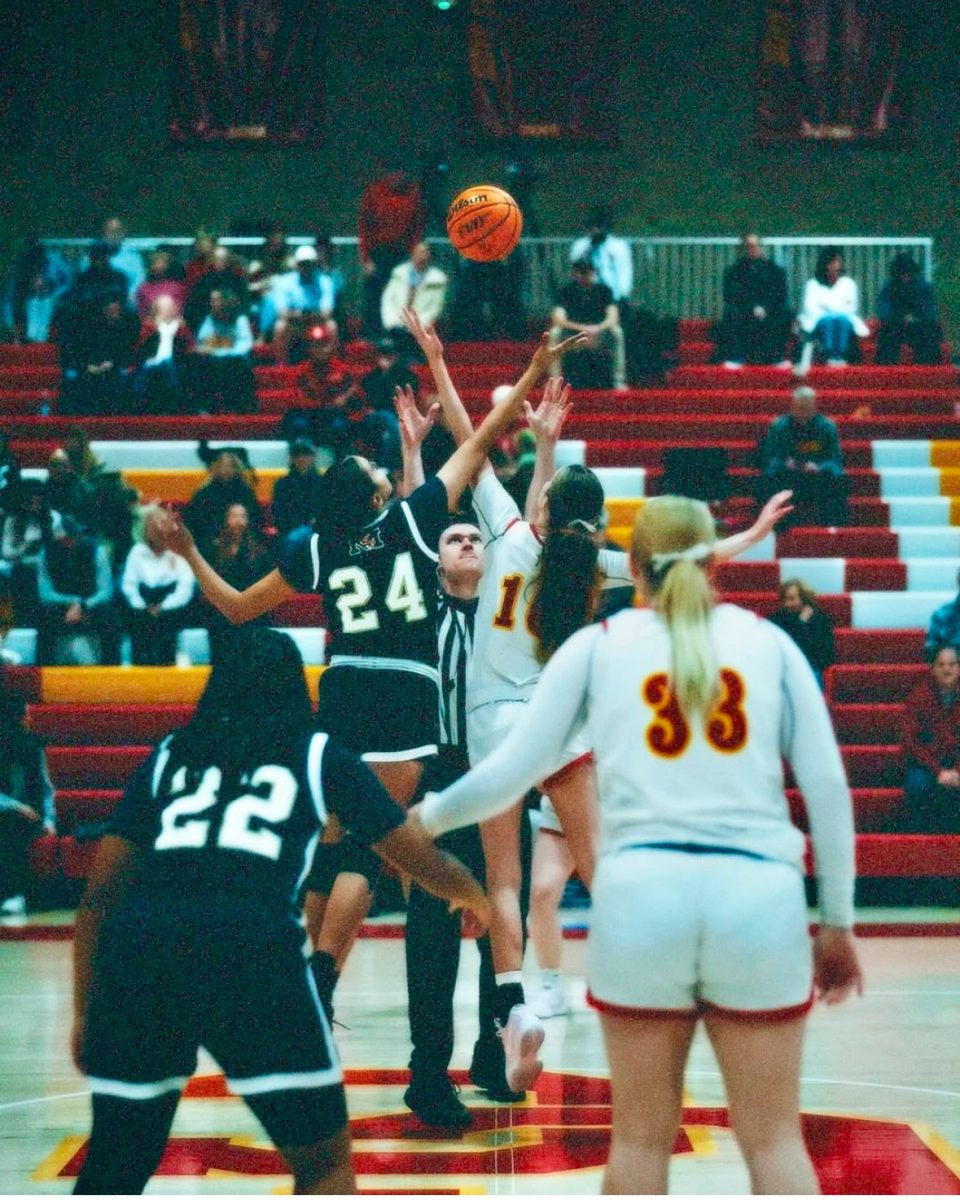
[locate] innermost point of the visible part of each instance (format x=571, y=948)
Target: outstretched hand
x=174, y=535
x=546, y=355
x=546, y=420
x=775, y=508
x=425, y=337
x=414, y=425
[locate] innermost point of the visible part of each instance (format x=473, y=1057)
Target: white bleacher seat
x=194, y=644
x=929, y=543
x=622, y=483
x=909, y=481
x=570, y=453
x=824, y=575
x=896, y=610
x=926, y=510
x=901, y=454
x=21, y=643
x=764, y=551
x=931, y=574
x=182, y=456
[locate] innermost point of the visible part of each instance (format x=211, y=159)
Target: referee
x=433, y=933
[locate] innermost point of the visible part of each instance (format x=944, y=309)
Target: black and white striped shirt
x=455, y=621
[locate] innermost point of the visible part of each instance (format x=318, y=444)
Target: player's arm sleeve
x=428, y=506
x=299, y=562
x=495, y=508
x=615, y=568
x=135, y=816
x=357, y=797
x=533, y=748
x=810, y=746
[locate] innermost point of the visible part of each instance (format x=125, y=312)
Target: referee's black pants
x=433, y=939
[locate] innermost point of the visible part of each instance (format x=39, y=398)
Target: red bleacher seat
x=880, y=646
x=874, y=809
x=866, y=724
x=107, y=724
x=838, y=543
x=93, y=766
x=76, y=806
x=764, y=603
x=888, y=683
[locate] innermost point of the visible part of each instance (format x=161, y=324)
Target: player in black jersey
x=188, y=935
x=375, y=566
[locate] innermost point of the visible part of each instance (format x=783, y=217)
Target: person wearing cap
x=307, y=294
x=296, y=495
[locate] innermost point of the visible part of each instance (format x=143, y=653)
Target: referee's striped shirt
x=455, y=620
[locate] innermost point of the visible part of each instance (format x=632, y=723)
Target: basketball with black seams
x=484, y=223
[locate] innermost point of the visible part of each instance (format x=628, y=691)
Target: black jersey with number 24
x=380, y=590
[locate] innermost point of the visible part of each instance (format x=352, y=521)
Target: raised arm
x=414, y=427
x=546, y=424
x=455, y=416
x=467, y=460
x=776, y=507
x=237, y=607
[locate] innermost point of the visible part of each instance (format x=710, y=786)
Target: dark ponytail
x=345, y=504
x=566, y=588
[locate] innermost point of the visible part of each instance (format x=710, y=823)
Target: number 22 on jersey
x=668, y=734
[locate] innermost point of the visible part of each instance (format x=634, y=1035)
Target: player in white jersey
x=541, y=582
x=698, y=899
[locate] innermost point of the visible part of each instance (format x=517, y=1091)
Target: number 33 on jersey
x=668, y=735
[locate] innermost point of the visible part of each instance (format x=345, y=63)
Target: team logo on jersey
x=369, y=541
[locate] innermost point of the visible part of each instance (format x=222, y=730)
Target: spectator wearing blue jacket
x=801, y=451
x=907, y=310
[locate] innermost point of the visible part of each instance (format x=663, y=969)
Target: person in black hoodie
x=226, y=486
x=26, y=799
x=808, y=625
x=296, y=496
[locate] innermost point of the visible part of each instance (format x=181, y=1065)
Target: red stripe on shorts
x=560, y=776
x=637, y=1014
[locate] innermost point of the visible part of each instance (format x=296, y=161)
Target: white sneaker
x=551, y=1002
x=732, y=366
x=784, y=364
x=13, y=906
x=836, y=362
x=522, y=1037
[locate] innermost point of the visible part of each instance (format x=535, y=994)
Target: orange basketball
x=484, y=223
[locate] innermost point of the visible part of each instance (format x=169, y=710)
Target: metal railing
x=673, y=276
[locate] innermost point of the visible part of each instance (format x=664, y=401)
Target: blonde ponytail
x=672, y=544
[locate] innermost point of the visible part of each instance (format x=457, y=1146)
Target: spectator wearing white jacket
x=158, y=587
x=829, y=314
x=417, y=284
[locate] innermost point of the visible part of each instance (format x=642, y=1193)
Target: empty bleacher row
x=880, y=577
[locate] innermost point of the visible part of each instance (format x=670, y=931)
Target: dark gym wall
x=83, y=109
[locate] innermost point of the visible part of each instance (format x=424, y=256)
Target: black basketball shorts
x=381, y=713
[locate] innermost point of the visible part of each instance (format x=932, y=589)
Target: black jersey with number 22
x=380, y=590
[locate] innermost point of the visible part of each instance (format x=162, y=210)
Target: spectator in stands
x=380, y=384
x=204, y=514
x=609, y=255
x=220, y=369
x=75, y=585
x=200, y=261
x=829, y=314
x=931, y=749
x=586, y=306
x=163, y=279
x=165, y=342
x=38, y=281
x=299, y=299
x=97, y=352
x=26, y=800
x=327, y=388
x=27, y=524
x=76, y=444
x=296, y=496
x=9, y=473
x=117, y=519
x=944, y=629
x=756, y=317
x=123, y=257
x=98, y=282
x=808, y=625
x=801, y=452
x=227, y=275
x=64, y=491
x=907, y=310
x=392, y=221
x=158, y=588
x=415, y=284
x=239, y=556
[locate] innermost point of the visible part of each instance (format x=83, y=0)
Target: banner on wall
x=834, y=71
x=247, y=71
x=543, y=72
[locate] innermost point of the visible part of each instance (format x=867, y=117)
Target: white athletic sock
x=550, y=979
x=508, y=977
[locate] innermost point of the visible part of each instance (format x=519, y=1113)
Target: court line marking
x=892, y=1087
x=42, y=1100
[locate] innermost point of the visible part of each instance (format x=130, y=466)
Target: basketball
x=484, y=223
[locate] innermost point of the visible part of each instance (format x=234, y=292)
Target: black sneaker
x=434, y=1100
x=488, y=1072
